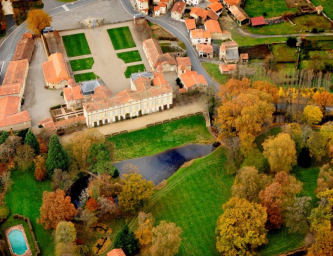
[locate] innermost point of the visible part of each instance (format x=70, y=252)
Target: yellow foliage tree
x=144, y=232
x=37, y=20
x=312, y=114
x=280, y=152
x=323, y=244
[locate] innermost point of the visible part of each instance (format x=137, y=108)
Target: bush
x=291, y=41
x=314, y=30
x=4, y=212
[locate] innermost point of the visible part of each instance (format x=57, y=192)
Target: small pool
x=17, y=242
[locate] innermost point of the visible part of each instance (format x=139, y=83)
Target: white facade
x=193, y=2
x=142, y=6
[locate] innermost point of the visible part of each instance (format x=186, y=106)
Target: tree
x=323, y=244
x=325, y=179
x=166, y=239
x=296, y=217
x=24, y=157
x=299, y=134
x=323, y=99
x=271, y=198
x=57, y=157
x=106, y=167
x=316, y=145
x=63, y=249
x=4, y=135
x=136, y=191
x=65, y=232
x=6, y=181
x=89, y=218
x=280, y=152
x=106, y=207
x=326, y=131
x=126, y=240
x=98, y=153
x=291, y=41
x=144, y=232
x=241, y=229
x=256, y=159
x=232, y=88
x=31, y=140
x=40, y=168
x=312, y=114
x=61, y=180
x=37, y=20
x=56, y=207
x=249, y=183
x=92, y=204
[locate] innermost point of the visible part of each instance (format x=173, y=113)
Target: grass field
x=193, y=199
x=76, y=45
x=159, y=138
x=274, y=8
x=327, y=4
x=284, y=53
x=121, y=38
x=128, y=57
x=213, y=70
x=26, y=197
x=134, y=69
x=81, y=64
x=303, y=23
x=85, y=77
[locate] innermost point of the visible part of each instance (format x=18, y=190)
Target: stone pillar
x=103, y=121
x=113, y=118
x=92, y=124
x=109, y=120
x=168, y=106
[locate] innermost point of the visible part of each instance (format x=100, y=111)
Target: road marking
x=65, y=7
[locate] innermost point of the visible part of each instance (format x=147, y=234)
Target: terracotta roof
x=48, y=124
x=191, y=78
x=228, y=44
x=16, y=72
x=199, y=12
x=60, y=124
x=182, y=62
x=212, y=15
x=228, y=67
x=258, y=21
x=116, y=252
x=213, y=26
x=101, y=92
x=142, y=83
x=73, y=93
x=213, y=1
x=179, y=7
x=156, y=8
x=244, y=56
x=159, y=80
x=232, y=2
x=190, y=24
x=27, y=35
x=9, y=115
x=216, y=6
x=24, y=49
x=239, y=13
x=200, y=33
x=205, y=48
x=55, y=70
x=9, y=89
x=162, y=5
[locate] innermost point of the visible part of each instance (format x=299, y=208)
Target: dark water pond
x=156, y=168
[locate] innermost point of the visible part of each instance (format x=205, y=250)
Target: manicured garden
x=159, y=138
x=267, y=8
x=76, y=45
x=134, y=69
x=25, y=197
x=81, y=64
x=213, y=70
x=129, y=57
x=85, y=77
x=121, y=38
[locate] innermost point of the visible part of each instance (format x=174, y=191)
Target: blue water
x=17, y=241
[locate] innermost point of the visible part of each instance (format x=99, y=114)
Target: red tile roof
x=159, y=80
x=73, y=93
x=192, y=78
x=24, y=49
x=205, y=48
x=239, y=13
x=258, y=21
x=212, y=15
x=55, y=70
x=116, y=252
x=244, y=56
x=199, y=12
x=9, y=115
x=182, y=62
x=179, y=7
x=213, y=26
x=216, y=6
x=228, y=67
x=16, y=72
x=200, y=33
x=190, y=24
x=232, y=2
x=9, y=89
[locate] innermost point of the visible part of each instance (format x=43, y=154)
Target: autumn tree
x=24, y=157
x=62, y=249
x=107, y=207
x=31, y=140
x=232, y=88
x=325, y=179
x=126, y=240
x=249, y=183
x=89, y=218
x=241, y=229
x=312, y=115
x=296, y=217
x=106, y=167
x=135, y=192
x=323, y=99
x=166, y=239
x=280, y=152
x=40, y=168
x=316, y=145
x=256, y=159
x=271, y=198
x=323, y=244
x=299, y=134
x=61, y=179
x=57, y=157
x=65, y=232
x=92, y=204
x=56, y=207
x=38, y=20
x=145, y=225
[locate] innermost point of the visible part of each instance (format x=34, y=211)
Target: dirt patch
x=256, y=52
x=161, y=34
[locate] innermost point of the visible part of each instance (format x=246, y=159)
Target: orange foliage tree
x=323, y=99
x=56, y=207
x=40, y=168
x=37, y=20
x=92, y=204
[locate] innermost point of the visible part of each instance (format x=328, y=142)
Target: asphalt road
x=14, y=34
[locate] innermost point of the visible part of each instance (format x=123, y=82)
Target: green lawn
x=134, y=69
x=76, y=45
x=327, y=4
x=81, y=64
x=213, y=70
x=193, y=199
x=303, y=23
x=284, y=53
x=131, y=56
x=85, y=77
x=271, y=8
x=162, y=137
x=26, y=197
x=121, y=38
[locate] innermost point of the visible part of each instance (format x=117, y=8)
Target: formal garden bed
x=134, y=69
x=81, y=64
x=121, y=38
x=76, y=45
x=85, y=77
x=131, y=56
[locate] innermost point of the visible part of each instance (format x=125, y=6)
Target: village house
x=190, y=24
x=227, y=68
x=183, y=65
x=199, y=36
x=165, y=3
x=217, y=7
x=142, y=6
x=116, y=252
x=229, y=52
x=244, y=58
x=258, y=21
x=157, y=11
x=197, y=12
x=230, y=3
x=191, y=80
x=239, y=15
x=55, y=71
x=205, y=50
x=213, y=27
x=192, y=2
x=158, y=60
x=15, y=79
x=25, y=48
x=178, y=10
x=212, y=15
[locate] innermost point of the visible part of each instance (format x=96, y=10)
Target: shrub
x=291, y=41
x=4, y=211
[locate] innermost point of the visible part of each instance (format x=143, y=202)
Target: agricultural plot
x=76, y=45
x=129, y=57
x=81, y=64
x=121, y=38
x=256, y=52
x=266, y=8
x=283, y=53
x=134, y=69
